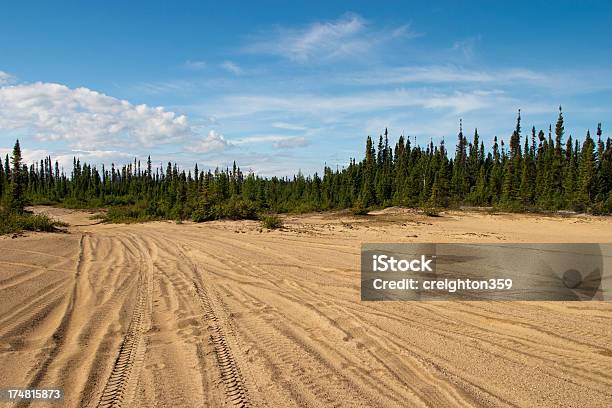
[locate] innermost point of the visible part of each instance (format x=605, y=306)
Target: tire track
x=58, y=336
x=123, y=379
x=234, y=382
x=230, y=373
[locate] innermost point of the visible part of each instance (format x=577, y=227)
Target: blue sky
x=284, y=88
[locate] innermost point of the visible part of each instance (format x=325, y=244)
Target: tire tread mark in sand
x=512, y=343
x=124, y=375
x=231, y=376
x=58, y=335
x=230, y=373
x=296, y=340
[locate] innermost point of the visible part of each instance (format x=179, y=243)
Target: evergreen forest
x=537, y=170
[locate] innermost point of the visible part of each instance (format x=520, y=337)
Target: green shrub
x=512, y=206
x=431, y=211
x=303, y=208
x=602, y=208
x=271, y=221
x=239, y=209
x=203, y=213
x=14, y=222
x=74, y=203
x=128, y=215
x=234, y=209
x=359, y=209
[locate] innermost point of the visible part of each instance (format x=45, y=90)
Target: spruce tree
x=368, y=194
x=7, y=169
x=481, y=196
x=15, y=200
x=474, y=161
x=569, y=182
x=586, y=171
x=527, y=179
x=556, y=172
x=459, y=180
x=440, y=191
x=495, y=180
x=3, y=182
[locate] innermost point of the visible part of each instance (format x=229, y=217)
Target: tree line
x=537, y=171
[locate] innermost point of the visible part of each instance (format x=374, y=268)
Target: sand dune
x=225, y=314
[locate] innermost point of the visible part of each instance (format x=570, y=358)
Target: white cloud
x=287, y=126
x=212, y=142
x=28, y=156
x=442, y=74
x=291, y=143
x=6, y=78
x=85, y=118
x=231, y=67
x=195, y=65
x=312, y=104
x=277, y=141
x=94, y=157
x=466, y=46
x=350, y=35
x=65, y=158
x=174, y=87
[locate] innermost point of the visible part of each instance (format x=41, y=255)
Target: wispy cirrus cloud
x=291, y=142
x=195, y=65
x=568, y=82
x=6, y=78
x=288, y=126
x=231, y=67
x=432, y=74
x=356, y=102
x=349, y=36
x=277, y=141
x=173, y=86
x=467, y=46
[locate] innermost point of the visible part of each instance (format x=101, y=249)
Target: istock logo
x=384, y=263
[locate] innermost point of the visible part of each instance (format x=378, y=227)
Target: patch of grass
x=126, y=215
x=11, y=223
x=233, y=209
x=431, y=211
x=271, y=221
x=359, y=209
x=304, y=208
x=73, y=203
x=602, y=208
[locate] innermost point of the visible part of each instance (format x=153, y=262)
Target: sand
x=225, y=314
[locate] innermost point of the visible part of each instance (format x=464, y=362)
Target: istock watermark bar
x=486, y=271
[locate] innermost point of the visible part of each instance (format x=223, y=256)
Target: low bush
x=271, y=221
x=127, y=215
x=234, y=209
x=359, y=209
x=14, y=222
x=431, y=211
x=603, y=207
x=238, y=209
x=303, y=208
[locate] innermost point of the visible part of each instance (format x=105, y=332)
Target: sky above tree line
x=283, y=88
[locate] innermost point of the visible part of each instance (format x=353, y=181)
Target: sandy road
x=223, y=314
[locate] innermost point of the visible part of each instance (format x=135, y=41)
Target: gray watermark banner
x=486, y=272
